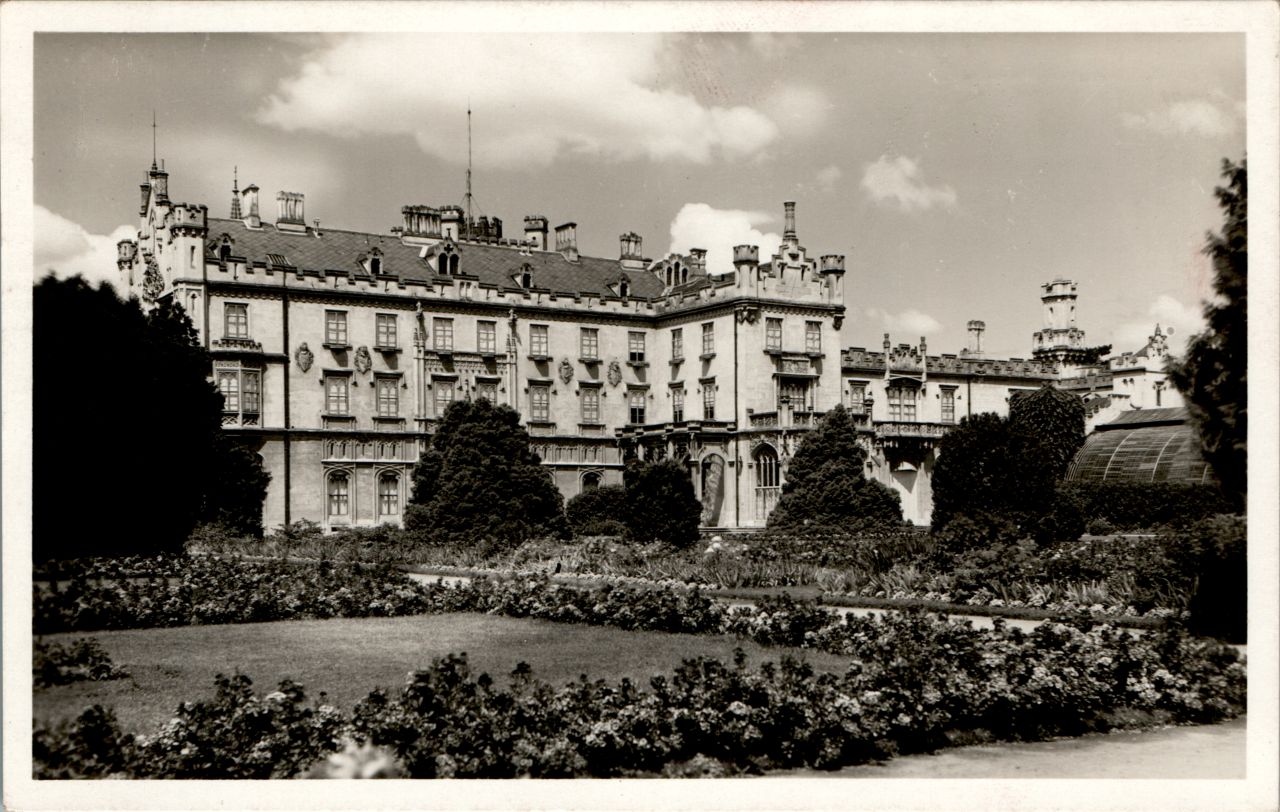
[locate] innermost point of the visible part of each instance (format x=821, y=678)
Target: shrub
x=1065, y=521
x=1135, y=506
x=598, y=509
x=1220, y=605
x=83, y=659
x=989, y=465
x=660, y=504
x=1056, y=419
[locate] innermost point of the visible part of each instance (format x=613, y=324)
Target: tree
x=660, y=503
x=598, y=511
x=236, y=490
x=479, y=481
x=826, y=487
x=1213, y=376
x=1056, y=419
x=125, y=425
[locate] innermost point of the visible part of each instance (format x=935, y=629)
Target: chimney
x=630, y=245
x=420, y=221
x=789, y=225
x=567, y=241
x=745, y=256
x=974, y=350
x=159, y=182
x=535, y=231
x=699, y=256
x=832, y=263
x=250, y=197
x=290, y=215
x=451, y=222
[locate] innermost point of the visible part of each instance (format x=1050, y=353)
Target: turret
x=831, y=264
x=535, y=231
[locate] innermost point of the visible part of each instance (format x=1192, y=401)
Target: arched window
x=624, y=289
x=669, y=277
x=684, y=275
x=224, y=251
x=388, y=495
x=339, y=494
x=590, y=480
x=375, y=265
x=526, y=280
x=768, y=480
x=453, y=264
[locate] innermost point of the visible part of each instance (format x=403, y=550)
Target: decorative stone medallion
x=304, y=357
x=566, y=370
x=615, y=373
x=364, y=361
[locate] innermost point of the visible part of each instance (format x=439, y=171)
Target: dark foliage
x=1137, y=506
x=1064, y=521
x=1213, y=377
x=660, y=504
x=1220, y=605
x=235, y=493
x=479, y=481
x=150, y=424
x=82, y=659
x=1056, y=419
x=598, y=509
x=826, y=486
x=1094, y=355
x=989, y=465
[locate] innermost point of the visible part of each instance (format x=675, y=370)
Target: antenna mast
x=153, y=139
x=468, y=200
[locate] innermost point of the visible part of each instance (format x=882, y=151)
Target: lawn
x=348, y=657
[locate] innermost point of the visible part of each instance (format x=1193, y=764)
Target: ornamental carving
x=364, y=361
x=614, y=373
x=566, y=370
x=304, y=357
x=152, y=281
x=748, y=315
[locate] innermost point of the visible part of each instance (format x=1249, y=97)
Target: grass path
x=346, y=658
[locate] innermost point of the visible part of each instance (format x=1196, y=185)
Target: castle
x=337, y=351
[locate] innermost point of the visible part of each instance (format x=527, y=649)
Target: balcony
x=788, y=419
x=904, y=430
x=236, y=345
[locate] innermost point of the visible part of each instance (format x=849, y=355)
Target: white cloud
x=827, y=177
x=899, y=182
x=66, y=249
x=698, y=225
x=771, y=45
x=910, y=321
x=1171, y=314
x=1193, y=117
x=800, y=110
x=536, y=99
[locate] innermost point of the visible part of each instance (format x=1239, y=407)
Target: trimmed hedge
x=1132, y=506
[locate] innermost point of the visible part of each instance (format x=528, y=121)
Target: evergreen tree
x=661, y=505
x=1056, y=419
x=1213, y=377
x=479, y=481
x=826, y=487
x=598, y=511
x=990, y=466
x=236, y=489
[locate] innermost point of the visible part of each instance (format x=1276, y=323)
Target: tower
x=235, y=194
x=1059, y=340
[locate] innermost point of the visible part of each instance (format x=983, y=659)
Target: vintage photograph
x=843, y=404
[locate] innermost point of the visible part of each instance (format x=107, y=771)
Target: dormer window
x=448, y=262
x=524, y=277
x=624, y=289
x=375, y=265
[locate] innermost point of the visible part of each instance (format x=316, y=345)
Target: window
x=709, y=400
x=590, y=341
x=229, y=386
x=902, y=404
x=709, y=338
x=590, y=480
x=677, y=404
x=339, y=495
x=624, y=289
x=635, y=346
x=388, y=397
x=590, y=404
x=677, y=344
x=635, y=403
x=538, y=340
x=386, y=331
x=768, y=480
x=251, y=387
x=858, y=398
x=948, y=405
x=224, y=252
x=794, y=395
x=813, y=336
x=773, y=334
x=442, y=335
x=444, y=395
x=539, y=403
x=236, y=317
x=487, y=336
x=336, y=388
x=375, y=265
x=487, y=391
x=335, y=328
x=388, y=495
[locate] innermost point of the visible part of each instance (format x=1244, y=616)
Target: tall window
x=388, y=495
x=858, y=398
x=538, y=344
x=948, y=405
x=336, y=388
x=677, y=404
x=487, y=391
x=677, y=344
x=386, y=330
x=902, y=403
x=590, y=341
x=236, y=317
x=590, y=404
x=773, y=334
x=539, y=403
x=813, y=336
x=709, y=338
x=335, y=327
x=635, y=403
x=768, y=480
x=251, y=387
x=339, y=494
x=635, y=347
x=709, y=400
x=442, y=334
x=444, y=395
x=388, y=397
x=486, y=336
x=229, y=386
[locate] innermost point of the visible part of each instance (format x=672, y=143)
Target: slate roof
x=1147, y=417
x=337, y=250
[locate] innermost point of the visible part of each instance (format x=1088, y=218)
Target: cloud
x=698, y=225
x=771, y=45
x=66, y=249
x=899, y=182
x=1193, y=117
x=827, y=177
x=1170, y=313
x=800, y=110
x=910, y=321
x=536, y=99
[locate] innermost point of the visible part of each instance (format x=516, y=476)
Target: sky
x=956, y=172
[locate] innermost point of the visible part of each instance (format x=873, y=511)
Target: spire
x=153, y=140
x=235, y=193
x=468, y=198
